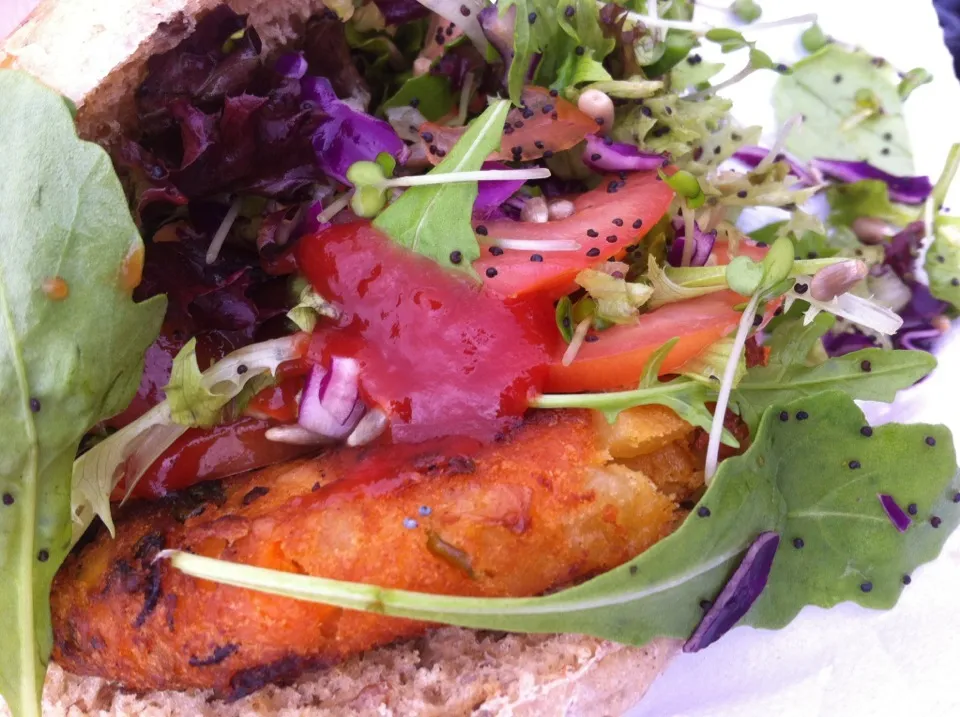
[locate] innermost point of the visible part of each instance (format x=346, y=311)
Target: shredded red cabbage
x=491, y=195
x=346, y=135
x=703, y=244
x=398, y=12
x=602, y=154
x=921, y=315
x=907, y=190
x=901, y=521
x=751, y=155
x=738, y=595
x=498, y=29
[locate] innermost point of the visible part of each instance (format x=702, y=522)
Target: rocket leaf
x=71, y=350
x=796, y=479
x=869, y=374
x=435, y=220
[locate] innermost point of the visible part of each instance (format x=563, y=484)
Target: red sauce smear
x=437, y=353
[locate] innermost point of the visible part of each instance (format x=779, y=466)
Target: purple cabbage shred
x=398, y=12
x=346, y=135
x=901, y=521
x=605, y=155
x=751, y=155
x=703, y=245
x=738, y=595
x=491, y=195
x=906, y=190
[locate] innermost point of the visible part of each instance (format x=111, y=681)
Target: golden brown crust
x=535, y=512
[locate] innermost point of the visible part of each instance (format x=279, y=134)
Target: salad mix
x=433, y=216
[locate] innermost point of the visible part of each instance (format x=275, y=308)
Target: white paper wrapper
x=850, y=661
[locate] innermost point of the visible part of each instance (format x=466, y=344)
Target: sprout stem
x=699, y=28
x=726, y=385
x=221, y=236
x=336, y=206
x=704, y=94
x=482, y=175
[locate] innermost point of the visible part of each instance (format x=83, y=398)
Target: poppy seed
x=866, y=431
x=593, y=252
x=536, y=257
x=935, y=521
x=798, y=543
x=784, y=416
x=612, y=239
x=634, y=569
x=866, y=587
x=496, y=251
x=637, y=223
x=802, y=415
x=906, y=580
x=912, y=509
x=455, y=257
x=532, y=18
x=930, y=441
x=703, y=511
x=35, y=404
x=706, y=604
x=43, y=556
x=491, y=272
x=593, y=233
x=854, y=465
x=595, y=156
x=618, y=222
x=7, y=499
x=481, y=230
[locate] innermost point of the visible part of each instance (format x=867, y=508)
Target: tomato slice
x=616, y=357
x=606, y=222
x=615, y=360
x=544, y=125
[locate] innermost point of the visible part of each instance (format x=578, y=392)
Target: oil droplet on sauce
x=55, y=288
x=131, y=270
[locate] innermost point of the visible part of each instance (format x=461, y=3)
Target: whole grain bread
x=95, y=53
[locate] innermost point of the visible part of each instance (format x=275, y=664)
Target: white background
x=850, y=661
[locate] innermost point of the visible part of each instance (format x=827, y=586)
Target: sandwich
x=411, y=357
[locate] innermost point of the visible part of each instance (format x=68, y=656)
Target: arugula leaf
x=555, y=36
x=685, y=396
x=71, y=349
x=822, y=88
x=795, y=480
x=432, y=92
x=435, y=220
x=869, y=374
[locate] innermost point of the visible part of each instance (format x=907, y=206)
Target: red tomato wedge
x=617, y=358
x=544, y=125
x=605, y=223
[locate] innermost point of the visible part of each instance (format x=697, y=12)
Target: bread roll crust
x=95, y=53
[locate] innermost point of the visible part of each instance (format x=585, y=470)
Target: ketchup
x=439, y=355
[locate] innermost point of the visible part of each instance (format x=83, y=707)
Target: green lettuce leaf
x=822, y=89
x=796, y=479
x=868, y=374
x=128, y=453
x=943, y=260
x=66, y=361
x=435, y=220
x=868, y=198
